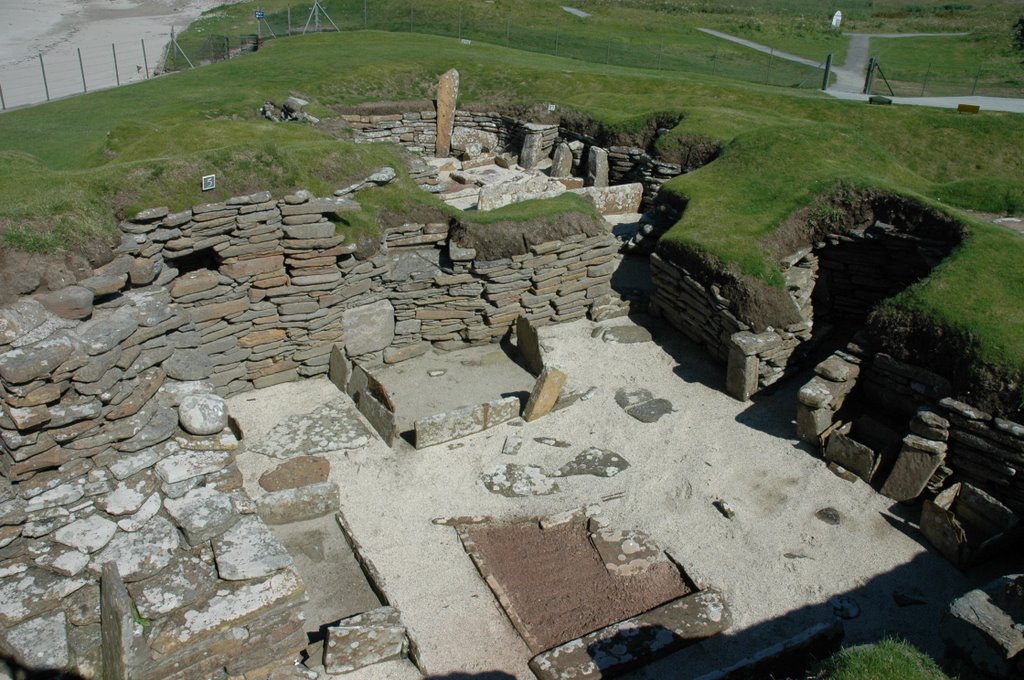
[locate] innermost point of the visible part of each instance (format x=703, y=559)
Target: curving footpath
x=850, y=75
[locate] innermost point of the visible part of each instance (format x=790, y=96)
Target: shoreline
x=76, y=42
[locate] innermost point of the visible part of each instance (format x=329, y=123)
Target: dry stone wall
x=103, y=458
x=837, y=281
x=102, y=467
x=532, y=142
x=910, y=437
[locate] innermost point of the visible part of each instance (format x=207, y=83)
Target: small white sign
x=467, y=42
x=209, y=182
x=837, y=19
x=552, y=108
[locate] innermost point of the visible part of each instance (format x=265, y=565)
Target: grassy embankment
x=70, y=164
x=660, y=34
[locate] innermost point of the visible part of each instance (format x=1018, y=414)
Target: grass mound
x=886, y=660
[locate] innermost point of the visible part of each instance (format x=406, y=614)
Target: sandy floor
x=776, y=562
x=58, y=29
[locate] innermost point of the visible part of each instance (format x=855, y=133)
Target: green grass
x=543, y=210
x=949, y=66
x=663, y=34
x=886, y=660
x=71, y=165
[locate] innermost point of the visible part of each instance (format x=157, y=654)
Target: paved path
x=850, y=75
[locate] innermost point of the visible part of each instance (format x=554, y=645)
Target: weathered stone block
x=368, y=328
x=852, y=455
x=249, y=550
x=911, y=473
x=365, y=639
x=545, y=393
x=298, y=504
x=985, y=627
x=447, y=100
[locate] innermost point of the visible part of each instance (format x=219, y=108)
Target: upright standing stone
x=545, y=394
x=447, y=98
x=532, y=150
x=118, y=624
x=528, y=343
x=561, y=165
x=597, y=167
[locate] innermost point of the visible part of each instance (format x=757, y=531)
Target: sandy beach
x=60, y=29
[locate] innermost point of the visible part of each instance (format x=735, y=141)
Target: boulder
x=203, y=414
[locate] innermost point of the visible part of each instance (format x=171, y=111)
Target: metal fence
x=562, y=41
x=75, y=71
x=892, y=79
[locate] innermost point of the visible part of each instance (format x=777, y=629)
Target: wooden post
x=145, y=61
x=828, y=71
x=117, y=75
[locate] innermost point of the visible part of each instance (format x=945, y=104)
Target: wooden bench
x=967, y=108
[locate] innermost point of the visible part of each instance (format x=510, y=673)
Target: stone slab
x=334, y=426
x=636, y=641
x=545, y=393
x=249, y=550
x=298, y=504
x=368, y=328
x=296, y=472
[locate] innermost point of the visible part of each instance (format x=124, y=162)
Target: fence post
x=3, y=104
x=81, y=68
x=365, y=15
x=117, y=75
x=46, y=87
x=608, y=53
x=556, y=39
x=145, y=61
x=508, y=32
x=661, y=50
x=768, y=75
x=289, y=19
x=460, y=22
x=976, y=77
x=828, y=72
x=410, y=16
x=714, y=62
x=925, y=83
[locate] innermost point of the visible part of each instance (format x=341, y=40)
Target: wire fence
x=561, y=41
x=64, y=73
x=900, y=81
x=75, y=71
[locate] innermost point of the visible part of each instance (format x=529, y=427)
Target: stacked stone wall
x=839, y=281
x=416, y=131
x=937, y=440
x=95, y=465
x=97, y=470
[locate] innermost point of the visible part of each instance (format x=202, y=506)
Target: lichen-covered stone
x=298, y=504
x=88, y=534
x=140, y=554
x=202, y=514
x=249, y=550
x=203, y=414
